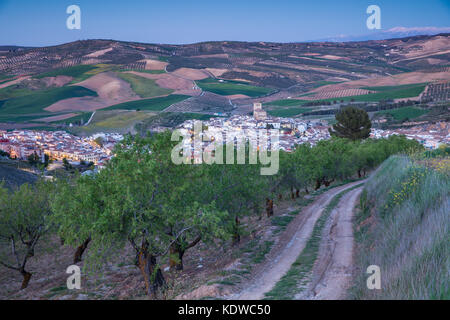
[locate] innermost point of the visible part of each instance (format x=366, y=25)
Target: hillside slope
x=403, y=227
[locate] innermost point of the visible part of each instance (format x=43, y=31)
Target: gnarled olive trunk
x=153, y=277
x=297, y=193
x=80, y=250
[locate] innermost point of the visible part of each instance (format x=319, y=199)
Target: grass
x=282, y=221
x=36, y=102
x=143, y=87
x=154, y=104
x=405, y=113
x=297, y=276
x=403, y=227
x=228, y=87
x=259, y=255
x=288, y=112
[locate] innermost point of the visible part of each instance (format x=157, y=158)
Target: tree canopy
x=352, y=123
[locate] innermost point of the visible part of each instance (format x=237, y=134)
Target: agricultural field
x=285, y=103
x=143, y=87
x=228, y=87
x=437, y=92
x=154, y=104
x=406, y=113
x=288, y=112
x=78, y=119
x=113, y=121
x=382, y=93
x=74, y=72
x=34, y=103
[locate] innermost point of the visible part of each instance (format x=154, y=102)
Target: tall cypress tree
x=352, y=123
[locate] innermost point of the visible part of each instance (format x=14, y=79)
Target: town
x=58, y=145
x=98, y=148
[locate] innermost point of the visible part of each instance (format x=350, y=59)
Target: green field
x=406, y=113
x=154, y=104
x=113, y=120
x=14, y=91
x=80, y=72
x=145, y=71
x=37, y=101
x=75, y=71
x=324, y=83
x=144, y=87
x=286, y=103
x=228, y=87
x=288, y=112
x=75, y=119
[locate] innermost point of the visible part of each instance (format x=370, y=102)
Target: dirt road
x=292, y=242
x=332, y=270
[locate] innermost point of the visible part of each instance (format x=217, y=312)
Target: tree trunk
x=80, y=250
x=177, y=249
x=26, y=278
x=269, y=207
x=236, y=235
x=327, y=183
x=306, y=190
x=359, y=173
x=176, y=256
x=280, y=196
x=318, y=183
x=297, y=193
x=153, y=278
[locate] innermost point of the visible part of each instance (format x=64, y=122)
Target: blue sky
x=43, y=22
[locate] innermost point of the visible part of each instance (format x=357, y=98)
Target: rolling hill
x=63, y=83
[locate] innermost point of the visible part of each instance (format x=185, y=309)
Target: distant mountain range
x=397, y=32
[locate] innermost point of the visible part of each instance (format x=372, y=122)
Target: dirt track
x=290, y=245
x=332, y=271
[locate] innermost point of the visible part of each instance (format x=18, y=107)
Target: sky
x=43, y=22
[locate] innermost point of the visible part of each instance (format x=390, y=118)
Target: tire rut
x=285, y=252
